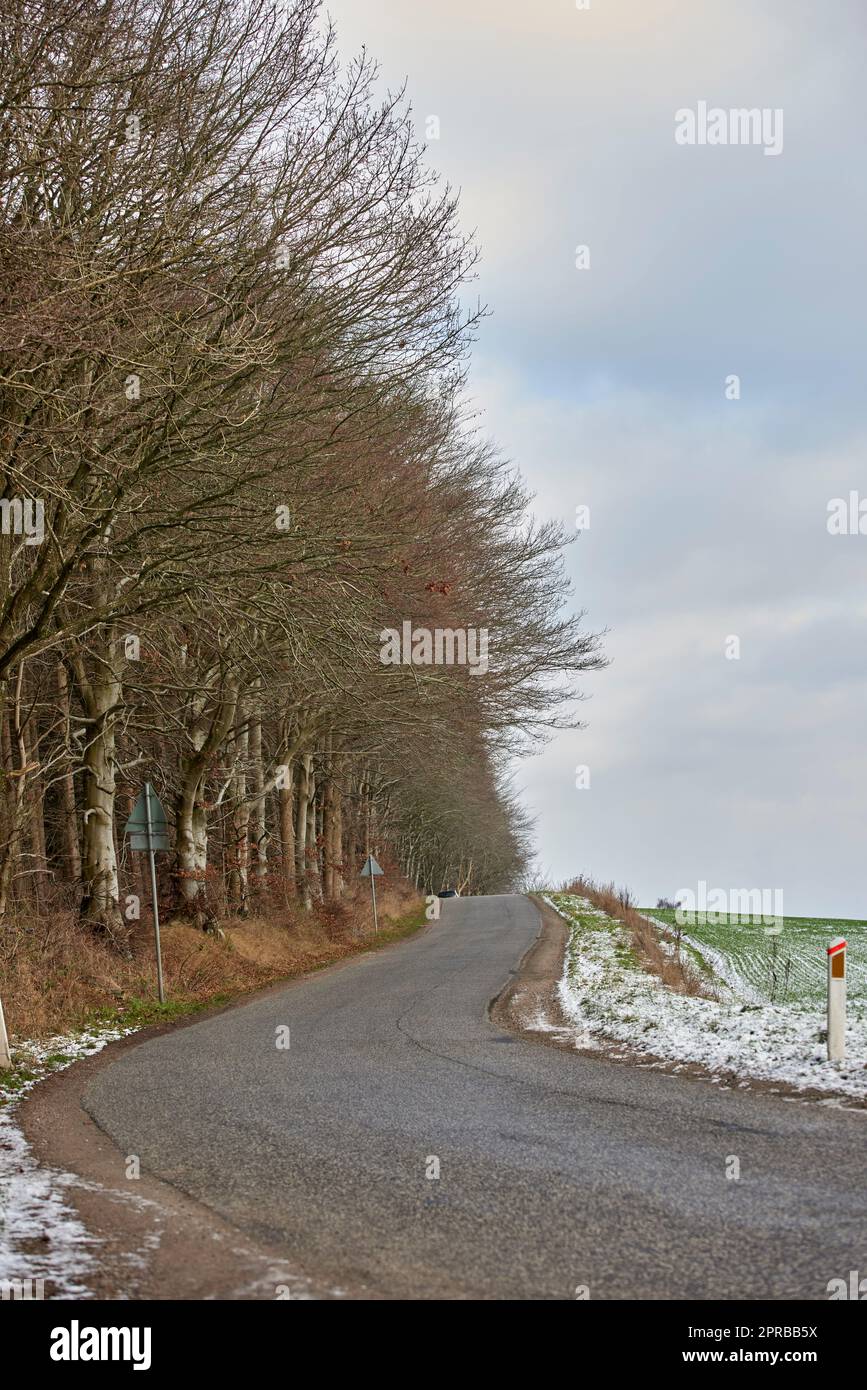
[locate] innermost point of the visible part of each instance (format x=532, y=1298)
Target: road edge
x=155, y=1241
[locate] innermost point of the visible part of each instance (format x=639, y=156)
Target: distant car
x=449, y=893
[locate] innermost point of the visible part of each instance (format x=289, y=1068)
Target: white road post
x=837, y=1000
x=5, y=1055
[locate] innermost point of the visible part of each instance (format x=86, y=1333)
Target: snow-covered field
x=41, y=1238
x=605, y=994
x=778, y=969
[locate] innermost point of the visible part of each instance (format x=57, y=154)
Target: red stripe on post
x=832, y=950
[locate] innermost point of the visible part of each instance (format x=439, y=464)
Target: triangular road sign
x=147, y=827
x=371, y=868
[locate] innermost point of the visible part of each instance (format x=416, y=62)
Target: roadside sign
x=837, y=999
x=371, y=870
x=147, y=826
x=148, y=831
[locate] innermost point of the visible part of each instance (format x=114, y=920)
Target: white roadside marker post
x=837, y=1000
x=5, y=1055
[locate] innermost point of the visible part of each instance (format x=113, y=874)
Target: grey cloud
x=606, y=387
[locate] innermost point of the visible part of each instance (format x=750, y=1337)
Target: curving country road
x=556, y=1171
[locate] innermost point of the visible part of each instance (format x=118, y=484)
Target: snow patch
x=41, y=1237
x=603, y=991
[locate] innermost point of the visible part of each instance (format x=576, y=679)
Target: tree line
x=236, y=449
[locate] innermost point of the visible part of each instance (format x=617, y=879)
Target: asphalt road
x=556, y=1171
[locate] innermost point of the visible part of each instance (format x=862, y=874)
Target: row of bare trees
x=234, y=453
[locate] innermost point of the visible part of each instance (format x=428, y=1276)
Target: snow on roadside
x=604, y=991
x=41, y=1237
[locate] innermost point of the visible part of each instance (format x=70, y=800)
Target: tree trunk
x=71, y=846
x=337, y=841
x=15, y=781
x=313, y=843
x=239, y=875
x=39, y=875
x=258, y=826
x=101, y=695
x=191, y=847
x=285, y=801
x=304, y=787
x=206, y=734
x=328, y=822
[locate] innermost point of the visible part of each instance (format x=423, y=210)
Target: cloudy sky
x=607, y=386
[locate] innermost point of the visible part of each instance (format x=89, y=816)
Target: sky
x=742, y=763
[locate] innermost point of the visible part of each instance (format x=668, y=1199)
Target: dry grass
x=674, y=971
x=56, y=977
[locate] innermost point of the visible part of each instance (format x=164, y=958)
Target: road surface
x=557, y=1173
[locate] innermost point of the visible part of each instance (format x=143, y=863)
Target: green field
x=786, y=969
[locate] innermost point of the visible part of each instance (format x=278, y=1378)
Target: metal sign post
x=837, y=1000
x=150, y=839
x=148, y=830
x=370, y=870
